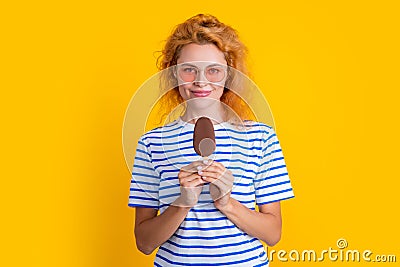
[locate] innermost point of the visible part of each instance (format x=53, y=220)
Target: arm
x=151, y=230
x=265, y=225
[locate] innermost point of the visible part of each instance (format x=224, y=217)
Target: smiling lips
x=201, y=93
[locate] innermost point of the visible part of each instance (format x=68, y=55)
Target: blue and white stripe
x=207, y=237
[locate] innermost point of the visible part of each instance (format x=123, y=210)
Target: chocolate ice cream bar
x=204, y=137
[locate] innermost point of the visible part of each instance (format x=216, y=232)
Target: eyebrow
x=211, y=65
x=187, y=64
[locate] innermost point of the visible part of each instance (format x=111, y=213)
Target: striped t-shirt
x=207, y=237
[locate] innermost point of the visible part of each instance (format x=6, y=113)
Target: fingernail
x=200, y=172
x=205, y=161
x=199, y=167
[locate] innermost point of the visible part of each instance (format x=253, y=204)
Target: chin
x=199, y=103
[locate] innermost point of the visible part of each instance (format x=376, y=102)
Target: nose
x=201, y=77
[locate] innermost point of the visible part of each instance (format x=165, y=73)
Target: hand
x=221, y=183
x=191, y=185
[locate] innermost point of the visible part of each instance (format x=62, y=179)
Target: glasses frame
x=201, y=75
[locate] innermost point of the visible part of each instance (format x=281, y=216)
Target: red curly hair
x=204, y=29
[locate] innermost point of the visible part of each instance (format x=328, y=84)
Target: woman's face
x=200, y=72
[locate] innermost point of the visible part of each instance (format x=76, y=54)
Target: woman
x=207, y=214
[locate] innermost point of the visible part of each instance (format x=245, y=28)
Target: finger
x=227, y=180
x=213, y=169
x=207, y=162
x=217, y=173
x=193, y=183
x=221, y=183
x=213, y=175
x=218, y=164
x=184, y=174
x=227, y=173
x=189, y=178
x=192, y=167
x=219, y=167
x=217, y=182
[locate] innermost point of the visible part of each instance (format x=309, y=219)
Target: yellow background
x=329, y=71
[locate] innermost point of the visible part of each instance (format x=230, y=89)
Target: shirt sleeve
x=145, y=179
x=272, y=181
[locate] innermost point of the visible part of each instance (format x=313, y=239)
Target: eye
x=214, y=70
x=189, y=70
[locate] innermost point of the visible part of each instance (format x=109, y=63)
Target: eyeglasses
x=213, y=73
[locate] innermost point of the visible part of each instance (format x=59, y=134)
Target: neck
x=215, y=112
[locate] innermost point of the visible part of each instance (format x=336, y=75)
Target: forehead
x=206, y=52
x=201, y=64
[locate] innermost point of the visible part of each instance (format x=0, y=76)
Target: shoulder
x=260, y=131
x=258, y=127
x=159, y=132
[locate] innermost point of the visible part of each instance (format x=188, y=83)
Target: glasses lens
x=215, y=73
x=188, y=73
